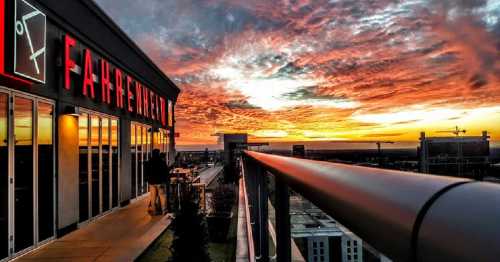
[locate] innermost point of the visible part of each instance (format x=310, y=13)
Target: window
x=140, y=149
x=99, y=161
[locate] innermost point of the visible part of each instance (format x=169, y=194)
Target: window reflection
x=94, y=142
x=45, y=171
x=83, y=136
x=114, y=162
x=4, y=178
x=105, y=151
x=23, y=173
x=141, y=150
x=133, y=151
x=100, y=149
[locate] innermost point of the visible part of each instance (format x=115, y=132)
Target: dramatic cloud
x=323, y=70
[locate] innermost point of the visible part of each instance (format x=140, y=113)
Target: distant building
x=233, y=145
x=319, y=237
x=299, y=151
x=461, y=156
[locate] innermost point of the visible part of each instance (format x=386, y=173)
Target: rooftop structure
x=462, y=156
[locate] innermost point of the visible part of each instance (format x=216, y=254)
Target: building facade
x=460, y=156
x=81, y=109
x=319, y=237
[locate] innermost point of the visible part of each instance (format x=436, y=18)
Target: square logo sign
x=29, y=41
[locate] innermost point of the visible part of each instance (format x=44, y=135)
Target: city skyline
x=323, y=70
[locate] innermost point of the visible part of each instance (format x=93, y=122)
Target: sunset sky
x=304, y=70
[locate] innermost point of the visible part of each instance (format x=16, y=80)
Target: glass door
x=99, y=162
x=84, y=160
x=95, y=165
x=143, y=160
x=23, y=174
x=141, y=150
x=45, y=171
x=114, y=163
x=27, y=184
x=147, y=137
x=105, y=154
x=133, y=164
x=4, y=175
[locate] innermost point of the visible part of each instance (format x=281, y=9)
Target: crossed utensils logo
x=22, y=28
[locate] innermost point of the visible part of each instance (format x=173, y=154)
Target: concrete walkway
x=120, y=236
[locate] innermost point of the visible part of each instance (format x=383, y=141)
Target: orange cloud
x=328, y=70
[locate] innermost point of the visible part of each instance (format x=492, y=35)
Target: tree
x=190, y=234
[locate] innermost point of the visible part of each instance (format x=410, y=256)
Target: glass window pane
x=140, y=177
x=114, y=162
x=105, y=164
x=156, y=140
x=23, y=174
x=140, y=159
x=83, y=136
x=94, y=141
x=133, y=151
x=45, y=171
x=4, y=176
x=146, y=141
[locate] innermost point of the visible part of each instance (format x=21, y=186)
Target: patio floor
x=119, y=236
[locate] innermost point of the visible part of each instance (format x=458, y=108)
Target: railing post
x=283, y=238
x=257, y=196
x=263, y=225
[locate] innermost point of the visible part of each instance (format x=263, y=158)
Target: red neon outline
x=2, y=35
x=2, y=48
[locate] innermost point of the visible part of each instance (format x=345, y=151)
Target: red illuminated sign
x=140, y=100
x=68, y=63
x=88, y=75
x=105, y=82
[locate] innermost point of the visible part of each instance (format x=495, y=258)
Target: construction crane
x=457, y=131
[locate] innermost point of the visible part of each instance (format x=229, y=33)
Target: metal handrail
x=249, y=253
x=407, y=216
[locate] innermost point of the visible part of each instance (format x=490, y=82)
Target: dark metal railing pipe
x=404, y=215
x=462, y=225
x=283, y=236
